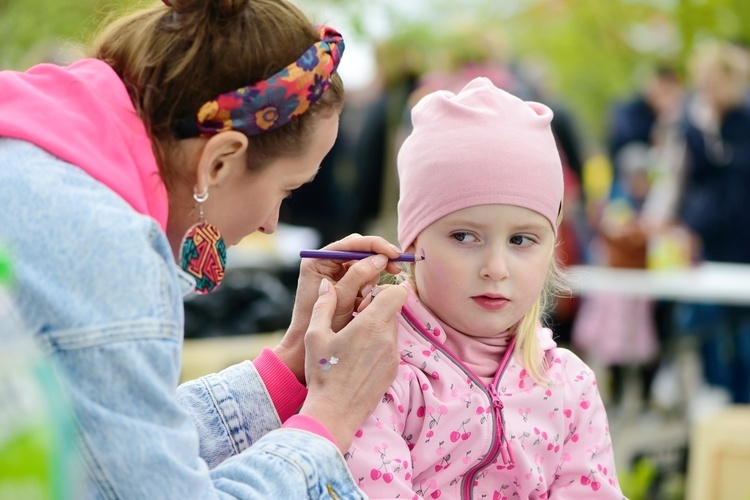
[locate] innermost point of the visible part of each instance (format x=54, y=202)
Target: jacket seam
x=218, y=406
x=107, y=334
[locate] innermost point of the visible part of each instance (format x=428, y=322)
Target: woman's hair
x=175, y=58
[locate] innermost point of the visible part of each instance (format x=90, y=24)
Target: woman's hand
x=349, y=278
x=348, y=371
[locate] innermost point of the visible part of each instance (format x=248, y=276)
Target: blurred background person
x=623, y=331
x=715, y=204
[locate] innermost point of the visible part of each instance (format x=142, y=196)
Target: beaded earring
x=203, y=252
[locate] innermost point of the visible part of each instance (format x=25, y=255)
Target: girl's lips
x=490, y=303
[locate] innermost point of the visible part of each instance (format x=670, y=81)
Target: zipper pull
x=506, y=453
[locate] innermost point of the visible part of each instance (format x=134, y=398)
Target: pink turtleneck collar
x=483, y=356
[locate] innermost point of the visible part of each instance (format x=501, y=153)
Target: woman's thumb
x=324, y=308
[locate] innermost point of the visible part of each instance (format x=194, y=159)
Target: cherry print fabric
x=435, y=433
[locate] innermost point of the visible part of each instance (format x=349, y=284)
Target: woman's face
x=250, y=201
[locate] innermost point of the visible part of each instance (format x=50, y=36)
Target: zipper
x=506, y=451
x=500, y=443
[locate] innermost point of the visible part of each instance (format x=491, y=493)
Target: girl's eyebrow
x=533, y=227
x=464, y=223
x=516, y=227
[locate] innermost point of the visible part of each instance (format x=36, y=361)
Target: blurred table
x=708, y=282
x=210, y=355
x=720, y=456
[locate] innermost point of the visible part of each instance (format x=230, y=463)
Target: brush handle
x=338, y=254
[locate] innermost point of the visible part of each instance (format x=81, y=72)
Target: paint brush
x=337, y=254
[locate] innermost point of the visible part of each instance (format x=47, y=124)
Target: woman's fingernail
x=365, y=290
x=375, y=291
x=323, y=287
x=379, y=261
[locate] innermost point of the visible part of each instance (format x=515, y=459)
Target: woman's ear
x=223, y=155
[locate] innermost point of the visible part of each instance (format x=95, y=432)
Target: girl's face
x=485, y=266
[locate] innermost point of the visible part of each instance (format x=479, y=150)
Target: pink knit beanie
x=480, y=146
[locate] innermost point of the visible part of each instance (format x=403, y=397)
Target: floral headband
x=273, y=102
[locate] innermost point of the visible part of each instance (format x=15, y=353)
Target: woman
x=183, y=133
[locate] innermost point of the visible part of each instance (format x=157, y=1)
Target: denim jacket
x=97, y=285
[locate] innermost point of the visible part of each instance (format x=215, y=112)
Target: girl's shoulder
x=565, y=365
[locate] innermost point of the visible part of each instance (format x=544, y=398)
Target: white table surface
x=708, y=282
x=270, y=251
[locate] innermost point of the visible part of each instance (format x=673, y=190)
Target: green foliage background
x=29, y=29
x=593, y=50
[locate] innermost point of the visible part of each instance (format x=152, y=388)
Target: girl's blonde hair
x=175, y=58
x=527, y=344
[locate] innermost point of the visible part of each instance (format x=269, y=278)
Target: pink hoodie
x=82, y=114
x=440, y=433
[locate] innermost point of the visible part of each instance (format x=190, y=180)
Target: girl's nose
x=495, y=266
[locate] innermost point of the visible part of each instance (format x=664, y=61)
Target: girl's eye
x=520, y=240
x=463, y=237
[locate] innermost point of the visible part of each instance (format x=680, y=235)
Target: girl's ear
x=222, y=155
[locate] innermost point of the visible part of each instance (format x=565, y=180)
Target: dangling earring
x=204, y=254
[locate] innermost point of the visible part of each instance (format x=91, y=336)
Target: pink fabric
x=286, y=392
x=435, y=433
x=480, y=146
x=83, y=114
x=481, y=355
x=309, y=424
x=616, y=329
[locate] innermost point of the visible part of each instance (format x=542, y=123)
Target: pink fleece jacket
x=439, y=432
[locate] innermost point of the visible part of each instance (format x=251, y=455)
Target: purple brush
x=335, y=254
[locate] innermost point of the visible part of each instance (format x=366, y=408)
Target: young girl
x=484, y=405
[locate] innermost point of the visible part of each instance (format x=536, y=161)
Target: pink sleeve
x=309, y=424
x=379, y=458
x=287, y=394
x=587, y=469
